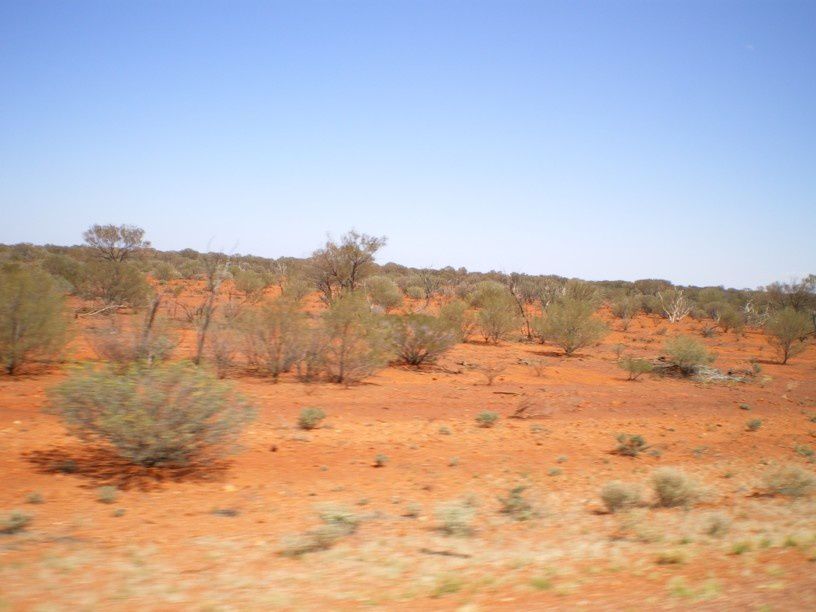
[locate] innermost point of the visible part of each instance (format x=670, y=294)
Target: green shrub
x=380, y=460
x=487, y=419
x=383, y=292
x=620, y=496
x=415, y=293
x=630, y=445
x=753, y=424
x=337, y=524
x=789, y=480
x=717, y=525
x=35, y=498
x=570, y=324
x=687, y=354
x=168, y=414
x=787, y=332
x=421, y=338
x=456, y=317
x=15, y=521
x=115, y=283
x=673, y=488
x=32, y=317
x=310, y=418
x=635, y=366
x=625, y=308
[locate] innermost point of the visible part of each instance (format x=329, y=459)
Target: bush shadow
x=101, y=466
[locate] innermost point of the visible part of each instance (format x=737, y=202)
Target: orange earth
x=209, y=537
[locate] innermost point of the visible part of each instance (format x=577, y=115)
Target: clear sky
x=603, y=140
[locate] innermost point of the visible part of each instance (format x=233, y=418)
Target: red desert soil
x=161, y=546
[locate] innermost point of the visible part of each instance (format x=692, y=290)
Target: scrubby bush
x=497, y=316
x=107, y=494
x=789, y=480
x=383, y=292
x=687, y=354
x=15, y=521
x=310, y=418
x=625, y=308
x=456, y=317
x=32, y=317
x=149, y=344
x=415, y=292
x=455, y=518
x=274, y=336
x=421, y=338
x=115, y=283
x=250, y=283
x=487, y=419
x=164, y=415
x=673, y=488
x=337, y=524
x=357, y=341
x=620, y=496
x=630, y=445
x=787, y=332
x=570, y=324
x=635, y=367
x=516, y=505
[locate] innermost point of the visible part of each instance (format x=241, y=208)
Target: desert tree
x=340, y=268
x=799, y=295
x=32, y=317
x=216, y=270
x=497, y=315
x=674, y=304
x=787, y=330
x=457, y=317
x=356, y=341
x=525, y=291
x=570, y=324
x=115, y=243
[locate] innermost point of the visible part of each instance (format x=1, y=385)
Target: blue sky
x=603, y=140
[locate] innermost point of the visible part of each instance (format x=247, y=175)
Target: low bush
x=673, y=488
x=516, y=505
x=487, y=419
x=383, y=292
x=787, y=331
x=32, y=317
x=167, y=414
x=789, y=480
x=570, y=324
x=421, y=338
x=635, y=367
x=455, y=518
x=13, y=522
x=630, y=445
x=310, y=418
x=620, y=496
x=458, y=318
x=687, y=354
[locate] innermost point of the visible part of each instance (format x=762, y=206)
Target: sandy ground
x=209, y=537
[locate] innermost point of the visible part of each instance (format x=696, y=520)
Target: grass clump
x=673, y=488
x=107, y=494
x=35, y=498
x=620, y=496
x=630, y=445
x=167, y=414
x=789, y=480
x=380, y=460
x=487, y=419
x=753, y=424
x=516, y=506
x=338, y=523
x=310, y=418
x=14, y=522
x=635, y=367
x=717, y=525
x=455, y=518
